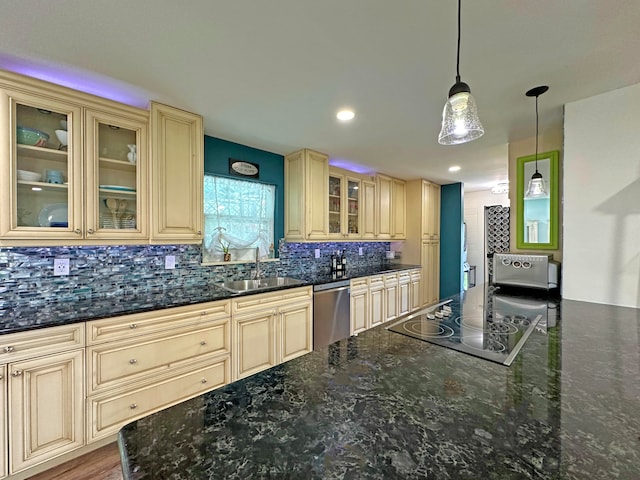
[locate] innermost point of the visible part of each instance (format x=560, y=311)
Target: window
x=237, y=214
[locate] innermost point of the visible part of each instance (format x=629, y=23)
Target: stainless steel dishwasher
x=331, y=317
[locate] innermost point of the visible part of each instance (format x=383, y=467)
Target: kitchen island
x=383, y=405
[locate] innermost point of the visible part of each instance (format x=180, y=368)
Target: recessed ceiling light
x=345, y=115
x=454, y=168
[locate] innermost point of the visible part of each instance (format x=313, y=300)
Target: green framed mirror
x=537, y=197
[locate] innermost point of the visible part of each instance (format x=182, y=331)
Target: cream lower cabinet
x=415, y=289
x=431, y=269
x=3, y=422
x=376, y=300
x=390, y=296
x=271, y=328
x=141, y=363
x=404, y=292
x=43, y=411
x=359, y=306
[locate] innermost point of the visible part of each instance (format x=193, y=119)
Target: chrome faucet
x=257, y=274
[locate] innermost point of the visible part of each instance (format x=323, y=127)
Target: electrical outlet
x=60, y=266
x=360, y=251
x=169, y=262
x=317, y=253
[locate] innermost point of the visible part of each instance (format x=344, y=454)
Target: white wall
x=474, y=203
x=601, y=251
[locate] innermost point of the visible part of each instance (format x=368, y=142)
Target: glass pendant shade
x=537, y=187
x=460, y=122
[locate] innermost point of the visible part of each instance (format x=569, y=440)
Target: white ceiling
x=272, y=74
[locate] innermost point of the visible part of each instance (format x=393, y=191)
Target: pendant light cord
x=537, y=133
x=458, y=56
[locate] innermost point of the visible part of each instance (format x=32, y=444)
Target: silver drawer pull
x=133, y=361
x=203, y=343
x=133, y=406
x=204, y=380
x=204, y=313
x=17, y=373
x=91, y=231
x=133, y=325
x=8, y=349
x=77, y=231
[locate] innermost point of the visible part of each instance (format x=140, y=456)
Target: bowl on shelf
x=62, y=137
x=27, y=176
x=31, y=136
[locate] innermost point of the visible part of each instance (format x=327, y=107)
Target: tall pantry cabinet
x=422, y=245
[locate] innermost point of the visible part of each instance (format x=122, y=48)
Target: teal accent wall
x=451, y=239
x=217, y=153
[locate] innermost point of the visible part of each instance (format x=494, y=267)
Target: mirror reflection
x=537, y=222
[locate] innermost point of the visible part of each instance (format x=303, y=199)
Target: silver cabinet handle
x=8, y=349
x=133, y=406
x=204, y=313
x=203, y=343
x=17, y=373
x=77, y=231
x=204, y=380
x=90, y=231
x=199, y=232
x=133, y=325
x=133, y=361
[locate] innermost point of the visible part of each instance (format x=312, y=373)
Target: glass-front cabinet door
x=115, y=172
x=41, y=151
x=344, y=206
x=335, y=205
x=353, y=207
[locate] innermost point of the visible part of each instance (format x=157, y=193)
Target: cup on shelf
x=54, y=176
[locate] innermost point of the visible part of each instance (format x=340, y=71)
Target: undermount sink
x=241, y=286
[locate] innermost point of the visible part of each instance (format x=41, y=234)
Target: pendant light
x=460, y=122
x=537, y=187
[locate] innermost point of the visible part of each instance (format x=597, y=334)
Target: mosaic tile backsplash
x=26, y=273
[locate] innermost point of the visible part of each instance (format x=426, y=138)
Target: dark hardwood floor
x=101, y=464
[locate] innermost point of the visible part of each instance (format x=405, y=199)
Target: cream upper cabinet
x=430, y=210
x=398, y=216
x=306, y=178
x=391, y=208
x=67, y=176
x=177, y=173
x=344, y=205
x=369, y=210
x=116, y=175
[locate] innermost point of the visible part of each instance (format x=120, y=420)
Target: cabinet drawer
x=108, y=413
x=112, y=364
x=404, y=277
x=390, y=279
x=376, y=282
x=359, y=283
x=155, y=323
x=43, y=341
x=416, y=275
x=271, y=299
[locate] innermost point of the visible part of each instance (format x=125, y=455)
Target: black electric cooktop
x=494, y=327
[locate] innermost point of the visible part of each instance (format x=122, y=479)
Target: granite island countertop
x=34, y=312
x=381, y=405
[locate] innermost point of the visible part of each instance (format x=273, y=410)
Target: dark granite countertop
x=385, y=406
x=37, y=313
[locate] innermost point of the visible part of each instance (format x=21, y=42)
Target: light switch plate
x=317, y=253
x=60, y=266
x=169, y=262
x=360, y=251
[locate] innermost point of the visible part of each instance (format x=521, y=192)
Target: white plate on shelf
x=118, y=187
x=54, y=213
